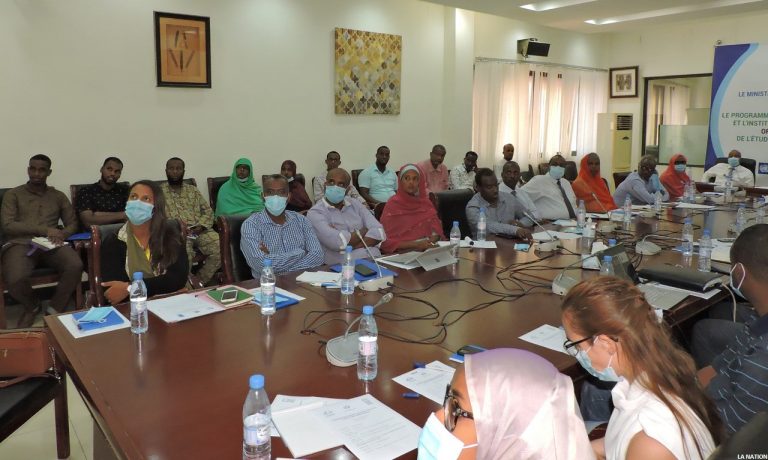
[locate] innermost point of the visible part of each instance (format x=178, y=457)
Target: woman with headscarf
x=409, y=218
x=506, y=404
x=591, y=187
x=299, y=200
x=674, y=177
x=240, y=195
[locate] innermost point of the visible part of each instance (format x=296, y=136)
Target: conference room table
x=177, y=391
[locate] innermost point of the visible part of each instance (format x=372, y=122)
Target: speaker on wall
x=532, y=47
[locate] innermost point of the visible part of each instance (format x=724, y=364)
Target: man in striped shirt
x=737, y=380
x=285, y=237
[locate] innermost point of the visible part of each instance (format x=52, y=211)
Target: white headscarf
x=524, y=408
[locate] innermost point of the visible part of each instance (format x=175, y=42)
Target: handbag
x=24, y=354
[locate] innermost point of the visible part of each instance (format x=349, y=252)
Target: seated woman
x=506, y=404
x=240, y=195
x=409, y=218
x=591, y=187
x=147, y=243
x=299, y=200
x=674, y=178
x=660, y=408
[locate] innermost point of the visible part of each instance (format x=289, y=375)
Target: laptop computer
x=430, y=259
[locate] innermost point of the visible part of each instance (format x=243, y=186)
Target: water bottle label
x=267, y=290
x=348, y=271
x=367, y=347
x=481, y=225
x=255, y=431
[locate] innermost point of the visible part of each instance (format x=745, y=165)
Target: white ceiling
x=572, y=17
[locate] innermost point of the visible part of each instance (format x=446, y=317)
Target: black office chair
x=234, y=266
x=618, y=178
x=748, y=163
x=451, y=206
x=526, y=176
x=571, y=171
x=214, y=184
x=355, y=173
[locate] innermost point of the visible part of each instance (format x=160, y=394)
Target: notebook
x=370, y=264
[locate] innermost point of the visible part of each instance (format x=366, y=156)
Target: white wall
x=78, y=83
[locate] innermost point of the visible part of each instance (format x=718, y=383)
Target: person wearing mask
x=507, y=152
x=674, y=179
x=147, y=243
x=240, y=195
x=435, y=170
x=409, y=219
x=641, y=185
x=552, y=195
x=660, y=409
x=377, y=183
x=591, y=187
x=741, y=176
x=463, y=175
x=504, y=213
x=333, y=161
x=512, y=184
x=299, y=200
x=103, y=202
x=506, y=404
x=340, y=222
x=285, y=237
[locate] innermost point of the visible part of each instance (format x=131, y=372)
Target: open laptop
x=430, y=259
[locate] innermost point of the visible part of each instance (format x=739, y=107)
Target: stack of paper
x=547, y=336
x=429, y=381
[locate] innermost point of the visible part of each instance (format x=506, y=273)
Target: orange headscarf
x=674, y=181
x=586, y=184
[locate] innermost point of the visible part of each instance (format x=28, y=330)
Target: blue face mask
x=436, y=442
x=275, y=204
x=680, y=167
x=334, y=194
x=737, y=289
x=733, y=162
x=138, y=212
x=556, y=172
x=606, y=375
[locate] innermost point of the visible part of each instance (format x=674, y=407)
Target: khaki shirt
x=26, y=214
x=187, y=205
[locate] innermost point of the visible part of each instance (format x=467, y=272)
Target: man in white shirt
x=333, y=161
x=741, y=176
x=463, y=175
x=510, y=183
x=552, y=195
x=506, y=152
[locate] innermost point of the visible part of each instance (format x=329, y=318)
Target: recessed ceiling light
x=669, y=11
x=553, y=5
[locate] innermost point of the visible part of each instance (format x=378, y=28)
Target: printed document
x=547, y=336
x=429, y=381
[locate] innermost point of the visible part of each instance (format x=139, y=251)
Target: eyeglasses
x=452, y=411
x=571, y=348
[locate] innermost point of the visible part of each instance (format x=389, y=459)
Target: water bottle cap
x=707, y=232
x=256, y=382
x=348, y=250
x=368, y=310
x=267, y=262
x=581, y=202
x=455, y=223
x=608, y=258
x=138, y=276
x=611, y=242
x=687, y=220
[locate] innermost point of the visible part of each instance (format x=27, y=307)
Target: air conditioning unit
x=614, y=142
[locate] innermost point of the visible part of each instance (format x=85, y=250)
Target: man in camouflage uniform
x=184, y=202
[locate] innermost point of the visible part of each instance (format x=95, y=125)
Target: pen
x=411, y=395
x=418, y=365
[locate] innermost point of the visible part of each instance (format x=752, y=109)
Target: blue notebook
x=370, y=264
x=113, y=319
x=281, y=301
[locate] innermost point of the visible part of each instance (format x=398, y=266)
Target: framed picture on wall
x=623, y=81
x=183, y=50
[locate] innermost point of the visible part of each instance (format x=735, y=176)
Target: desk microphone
x=562, y=282
x=342, y=351
x=605, y=227
x=381, y=282
x=648, y=248
x=546, y=246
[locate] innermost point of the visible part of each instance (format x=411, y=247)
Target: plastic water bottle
x=348, y=273
x=455, y=239
x=729, y=186
x=611, y=242
x=687, y=237
x=267, y=283
x=606, y=268
x=741, y=219
x=581, y=215
x=657, y=202
x=367, y=358
x=482, y=226
x=760, y=218
x=705, y=252
x=257, y=419
x=627, y=209
x=138, y=295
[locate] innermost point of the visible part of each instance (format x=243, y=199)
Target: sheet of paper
x=428, y=382
x=721, y=254
x=597, y=215
x=283, y=402
x=465, y=243
x=440, y=366
x=566, y=222
x=182, y=307
x=547, y=336
x=410, y=266
x=693, y=206
x=545, y=236
x=319, y=277
x=702, y=295
x=68, y=321
x=302, y=430
x=370, y=429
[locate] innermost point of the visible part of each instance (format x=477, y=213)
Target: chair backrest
x=233, y=262
x=451, y=206
x=543, y=168
x=571, y=171
x=748, y=163
x=214, y=184
x=188, y=181
x=2, y=194
x=355, y=175
x=618, y=177
x=75, y=188
x=298, y=178
x=526, y=176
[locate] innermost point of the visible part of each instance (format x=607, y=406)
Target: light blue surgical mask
x=436, y=442
x=737, y=289
x=733, y=161
x=275, y=204
x=95, y=315
x=138, y=211
x=606, y=375
x=680, y=167
x=335, y=194
x=556, y=172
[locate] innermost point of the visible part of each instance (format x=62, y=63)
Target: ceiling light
x=553, y=5
x=669, y=11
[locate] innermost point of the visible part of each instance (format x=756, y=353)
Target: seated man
x=434, y=169
x=103, y=202
x=463, y=175
x=505, y=215
x=552, y=195
x=284, y=237
x=185, y=203
x=641, y=186
x=741, y=176
x=507, y=152
x=32, y=210
x=377, y=183
x=511, y=183
x=340, y=222
x=737, y=379
x=332, y=161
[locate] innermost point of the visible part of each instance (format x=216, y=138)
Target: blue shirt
x=498, y=218
x=292, y=245
x=381, y=185
x=639, y=191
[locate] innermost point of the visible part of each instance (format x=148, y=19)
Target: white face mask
x=436, y=442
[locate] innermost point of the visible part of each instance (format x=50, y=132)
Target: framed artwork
x=183, y=50
x=623, y=82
